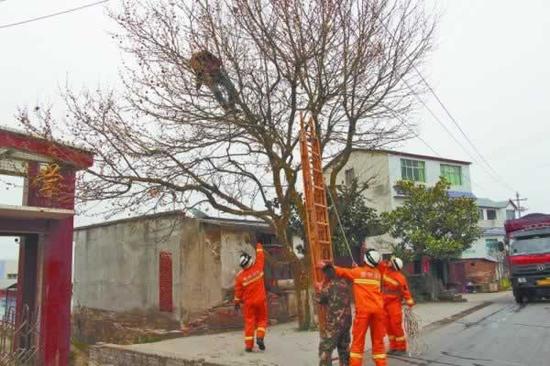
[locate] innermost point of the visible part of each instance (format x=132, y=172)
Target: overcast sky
x=490, y=67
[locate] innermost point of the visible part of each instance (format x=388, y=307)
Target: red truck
x=528, y=249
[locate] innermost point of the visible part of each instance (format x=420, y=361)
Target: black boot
x=395, y=352
x=248, y=349
x=260, y=343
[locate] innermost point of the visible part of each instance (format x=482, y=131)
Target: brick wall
x=110, y=355
x=479, y=270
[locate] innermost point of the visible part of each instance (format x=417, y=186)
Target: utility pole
x=518, y=201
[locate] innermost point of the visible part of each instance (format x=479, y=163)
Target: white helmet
x=372, y=258
x=245, y=260
x=396, y=263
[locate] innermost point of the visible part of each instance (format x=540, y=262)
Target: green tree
x=357, y=220
x=432, y=223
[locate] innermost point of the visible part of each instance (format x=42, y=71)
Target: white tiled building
x=492, y=215
x=384, y=168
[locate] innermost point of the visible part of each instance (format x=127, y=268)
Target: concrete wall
x=370, y=167
x=116, y=265
x=233, y=244
x=479, y=248
x=200, y=270
x=500, y=217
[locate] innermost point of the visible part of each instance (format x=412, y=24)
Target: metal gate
x=19, y=343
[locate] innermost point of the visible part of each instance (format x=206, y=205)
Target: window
x=12, y=276
x=510, y=214
x=453, y=173
x=349, y=176
x=480, y=212
x=491, y=245
x=533, y=244
x=491, y=214
x=414, y=170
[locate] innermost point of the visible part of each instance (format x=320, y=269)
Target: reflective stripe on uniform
x=260, y=329
x=379, y=356
x=363, y=281
x=391, y=280
x=355, y=355
x=249, y=338
x=400, y=339
x=253, y=279
x=410, y=302
x=391, y=337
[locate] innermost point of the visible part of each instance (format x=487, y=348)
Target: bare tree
x=163, y=142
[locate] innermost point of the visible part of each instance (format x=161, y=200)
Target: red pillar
x=52, y=255
x=57, y=254
x=55, y=321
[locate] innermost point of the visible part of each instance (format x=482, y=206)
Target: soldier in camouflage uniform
x=336, y=296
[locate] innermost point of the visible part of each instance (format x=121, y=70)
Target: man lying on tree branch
x=209, y=71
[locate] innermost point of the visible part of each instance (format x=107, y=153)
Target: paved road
x=502, y=334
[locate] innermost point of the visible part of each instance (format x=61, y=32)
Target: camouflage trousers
x=335, y=337
x=223, y=89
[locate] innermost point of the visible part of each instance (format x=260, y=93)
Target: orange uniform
x=369, y=312
x=250, y=291
x=395, y=290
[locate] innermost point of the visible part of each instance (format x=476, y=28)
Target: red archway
x=45, y=222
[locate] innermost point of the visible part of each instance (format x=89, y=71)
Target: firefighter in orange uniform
x=369, y=309
x=395, y=291
x=250, y=291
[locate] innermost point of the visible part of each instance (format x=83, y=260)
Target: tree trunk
x=303, y=286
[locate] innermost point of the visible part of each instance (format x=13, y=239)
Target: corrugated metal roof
x=175, y=214
x=457, y=194
x=486, y=202
x=494, y=231
x=473, y=256
x=233, y=222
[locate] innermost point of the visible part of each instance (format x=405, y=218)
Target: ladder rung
x=319, y=187
x=322, y=223
x=320, y=205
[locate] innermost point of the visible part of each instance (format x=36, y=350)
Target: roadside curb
x=440, y=323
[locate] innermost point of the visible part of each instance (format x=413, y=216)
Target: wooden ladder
x=317, y=219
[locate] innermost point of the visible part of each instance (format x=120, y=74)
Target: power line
x=438, y=120
x=493, y=175
x=455, y=122
x=416, y=135
x=52, y=14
